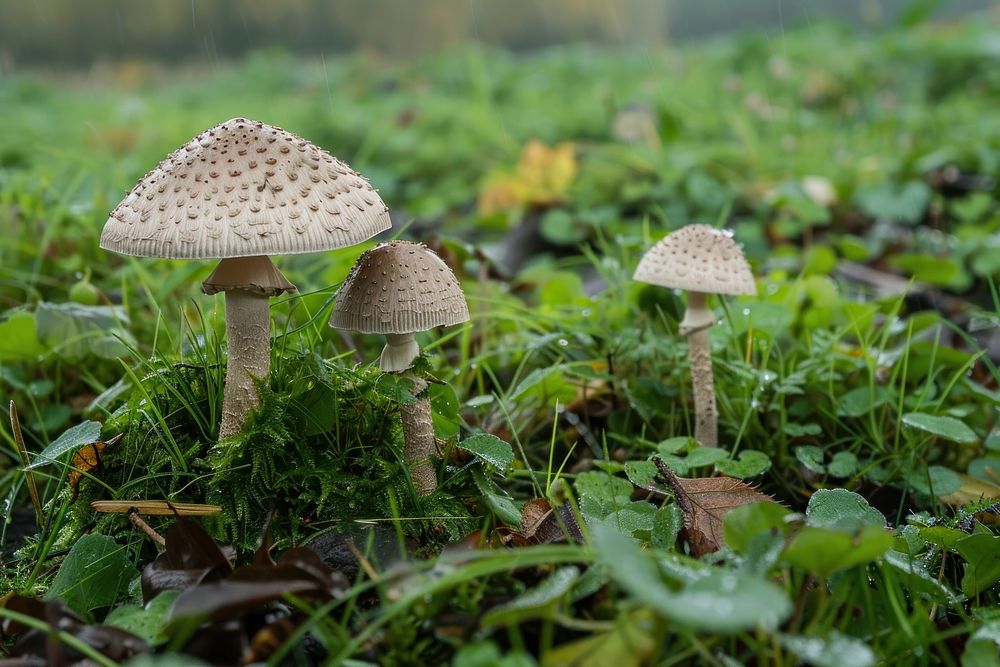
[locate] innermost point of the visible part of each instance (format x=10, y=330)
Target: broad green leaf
x=938, y=480
x=489, y=448
x=667, y=524
x=859, y=402
x=750, y=464
x=96, y=571
x=928, y=268
x=147, y=622
x=834, y=650
x=825, y=551
x=496, y=498
x=741, y=524
x=725, y=602
x=982, y=555
x=84, y=433
x=537, y=603
x=603, y=486
x=76, y=331
x=919, y=578
x=983, y=647
x=944, y=427
x=631, y=643
x=444, y=410
x=904, y=202
x=811, y=457
x=641, y=473
x=843, y=464
x=19, y=338
x=842, y=510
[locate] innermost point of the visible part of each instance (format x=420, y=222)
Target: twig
x=362, y=561
x=15, y=427
x=137, y=521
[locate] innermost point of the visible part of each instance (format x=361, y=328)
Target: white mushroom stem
x=697, y=320
x=248, y=282
x=418, y=433
x=399, y=352
x=248, y=329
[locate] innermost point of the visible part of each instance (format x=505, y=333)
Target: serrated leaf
x=705, y=501
x=489, y=448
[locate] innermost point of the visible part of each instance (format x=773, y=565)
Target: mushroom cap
x=242, y=189
x=399, y=288
x=697, y=258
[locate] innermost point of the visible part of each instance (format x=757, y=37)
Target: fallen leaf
x=705, y=501
x=87, y=460
x=541, y=525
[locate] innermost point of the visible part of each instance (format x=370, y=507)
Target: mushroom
x=239, y=192
x=703, y=261
x=397, y=289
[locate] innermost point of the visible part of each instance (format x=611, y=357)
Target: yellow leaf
x=973, y=490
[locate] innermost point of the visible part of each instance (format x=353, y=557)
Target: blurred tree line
x=75, y=32
x=80, y=32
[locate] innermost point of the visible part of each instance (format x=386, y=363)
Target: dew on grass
x=746, y=312
x=563, y=342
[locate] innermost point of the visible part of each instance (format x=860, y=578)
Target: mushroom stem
x=248, y=329
x=418, y=434
x=697, y=320
x=399, y=352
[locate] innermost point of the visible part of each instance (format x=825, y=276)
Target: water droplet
x=563, y=342
x=746, y=312
x=585, y=312
x=473, y=366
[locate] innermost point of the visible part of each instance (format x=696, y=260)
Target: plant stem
x=248, y=329
x=418, y=434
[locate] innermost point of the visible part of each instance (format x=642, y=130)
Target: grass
x=568, y=366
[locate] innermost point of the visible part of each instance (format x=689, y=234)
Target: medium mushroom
x=239, y=192
x=703, y=261
x=397, y=289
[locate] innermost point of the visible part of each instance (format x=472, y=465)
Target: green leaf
x=983, y=647
x=834, y=650
x=537, y=603
x=918, y=578
x=149, y=622
x=842, y=510
x=96, y=571
x=560, y=228
x=496, y=498
x=444, y=410
x=667, y=524
x=745, y=522
x=84, y=433
x=826, y=551
x=76, y=331
x=906, y=202
x=843, y=464
x=811, y=457
x=750, y=464
x=18, y=338
x=724, y=602
x=861, y=401
x=936, y=480
x=982, y=555
x=641, y=473
x=944, y=427
x=489, y=448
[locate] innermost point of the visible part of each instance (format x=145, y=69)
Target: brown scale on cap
x=399, y=288
x=697, y=258
x=236, y=191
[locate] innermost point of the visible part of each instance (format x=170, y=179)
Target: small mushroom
x=397, y=289
x=703, y=261
x=238, y=192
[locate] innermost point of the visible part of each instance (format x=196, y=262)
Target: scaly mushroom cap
x=399, y=288
x=697, y=258
x=243, y=189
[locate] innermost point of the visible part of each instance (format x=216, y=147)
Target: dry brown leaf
x=541, y=525
x=705, y=501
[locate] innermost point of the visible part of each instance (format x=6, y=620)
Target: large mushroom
x=397, y=289
x=701, y=260
x=239, y=192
